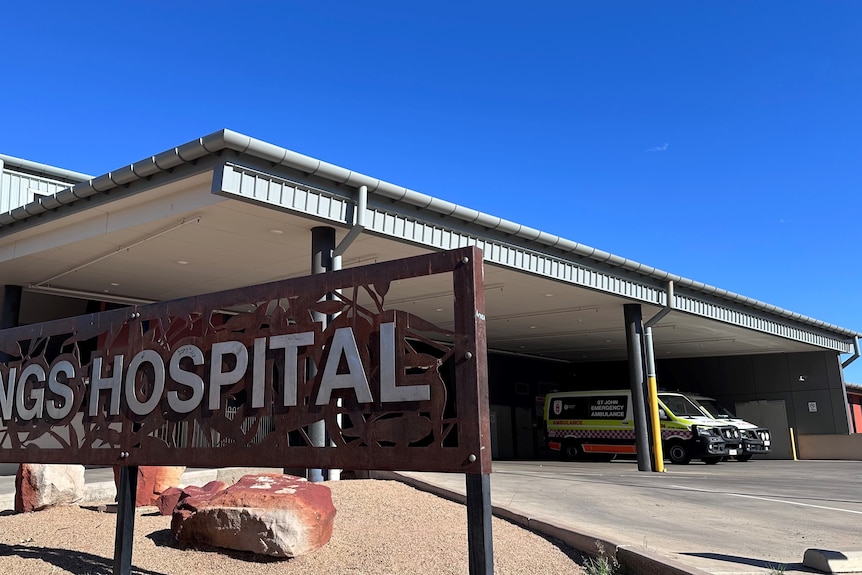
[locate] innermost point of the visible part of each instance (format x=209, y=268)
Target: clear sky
x=721, y=141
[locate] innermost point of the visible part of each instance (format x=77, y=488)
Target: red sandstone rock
x=275, y=515
x=171, y=496
x=152, y=481
x=39, y=486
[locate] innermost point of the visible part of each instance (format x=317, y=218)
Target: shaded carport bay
x=227, y=210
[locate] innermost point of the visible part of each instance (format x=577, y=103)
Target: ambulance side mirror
x=661, y=414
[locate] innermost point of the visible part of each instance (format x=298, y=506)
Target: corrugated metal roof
x=222, y=140
x=23, y=182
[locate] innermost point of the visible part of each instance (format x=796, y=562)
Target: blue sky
x=721, y=141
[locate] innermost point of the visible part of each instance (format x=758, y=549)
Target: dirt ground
x=381, y=527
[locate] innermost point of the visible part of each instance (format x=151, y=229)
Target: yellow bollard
x=793, y=445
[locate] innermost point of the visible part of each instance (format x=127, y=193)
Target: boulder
x=169, y=498
x=152, y=481
x=272, y=514
x=39, y=486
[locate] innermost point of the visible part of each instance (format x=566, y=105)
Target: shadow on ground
x=797, y=567
x=164, y=538
x=73, y=561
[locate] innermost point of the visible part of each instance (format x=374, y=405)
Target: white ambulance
x=600, y=424
x=755, y=440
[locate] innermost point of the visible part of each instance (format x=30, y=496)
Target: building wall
x=516, y=389
x=814, y=405
x=810, y=384
x=846, y=447
x=855, y=404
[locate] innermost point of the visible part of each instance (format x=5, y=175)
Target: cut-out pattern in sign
x=240, y=377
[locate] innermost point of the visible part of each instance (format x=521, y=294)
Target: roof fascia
x=212, y=146
x=94, y=193
x=45, y=170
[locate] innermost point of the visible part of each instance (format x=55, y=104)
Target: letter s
x=59, y=388
x=187, y=378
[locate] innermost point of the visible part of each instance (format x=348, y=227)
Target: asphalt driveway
x=726, y=518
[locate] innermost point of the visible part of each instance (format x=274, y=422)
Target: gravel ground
x=380, y=527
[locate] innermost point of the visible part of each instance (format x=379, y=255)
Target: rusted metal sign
x=196, y=382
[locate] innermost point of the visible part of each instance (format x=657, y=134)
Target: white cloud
x=662, y=148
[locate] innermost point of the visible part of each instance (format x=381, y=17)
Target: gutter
x=225, y=139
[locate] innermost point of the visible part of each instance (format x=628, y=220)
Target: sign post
x=125, y=532
x=243, y=375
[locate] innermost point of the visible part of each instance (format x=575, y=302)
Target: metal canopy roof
x=226, y=210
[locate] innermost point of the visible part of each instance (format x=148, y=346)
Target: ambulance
x=755, y=440
x=600, y=424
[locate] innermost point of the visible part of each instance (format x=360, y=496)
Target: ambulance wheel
x=711, y=460
x=678, y=453
x=744, y=457
x=571, y=450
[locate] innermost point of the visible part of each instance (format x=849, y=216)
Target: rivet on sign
x=465, y=260
x=472, y=458
x=468, y=355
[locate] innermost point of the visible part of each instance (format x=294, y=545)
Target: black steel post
x=127, y=487
x=480, y=543
x=10, y=313
x=637, y=381
x=322, y=245
x=11, y=310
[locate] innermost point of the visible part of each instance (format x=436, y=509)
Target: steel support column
x=10, y=313
x=637, y=379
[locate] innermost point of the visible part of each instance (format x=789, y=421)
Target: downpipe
x=652, y=385
x=855, y=355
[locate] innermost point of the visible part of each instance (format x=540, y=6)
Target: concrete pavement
x=758, y=518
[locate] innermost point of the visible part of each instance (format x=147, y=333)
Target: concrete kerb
x=829, y=561
x=631, y=558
